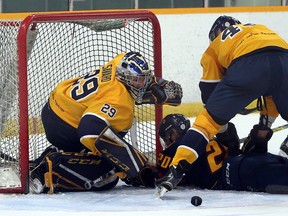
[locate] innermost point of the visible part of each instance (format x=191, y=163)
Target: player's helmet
x=220, y=24
x=172, y=123
x=135, y=73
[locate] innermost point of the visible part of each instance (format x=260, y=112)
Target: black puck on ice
x=196, y=200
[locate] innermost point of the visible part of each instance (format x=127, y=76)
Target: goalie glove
x=162, y=92
x=174, y=93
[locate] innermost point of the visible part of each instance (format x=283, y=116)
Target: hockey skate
x=37, y=170
x=35, y=185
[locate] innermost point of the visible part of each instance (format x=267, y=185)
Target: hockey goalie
x=86, y=119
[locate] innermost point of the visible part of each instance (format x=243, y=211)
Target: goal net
x=44, y=49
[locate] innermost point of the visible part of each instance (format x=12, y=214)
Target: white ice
x=128, y=201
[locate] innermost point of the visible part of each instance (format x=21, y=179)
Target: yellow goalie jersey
x=98, y=94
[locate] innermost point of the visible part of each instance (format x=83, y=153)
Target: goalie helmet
x=171, y=128
x=135, y=73
x=220, y=24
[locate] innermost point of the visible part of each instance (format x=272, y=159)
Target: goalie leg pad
x=120, y=153
x=65, y=171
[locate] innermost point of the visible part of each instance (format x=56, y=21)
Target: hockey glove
x=171, y=179
x=146, y=178
x=257, y=139
x=174, y=93
x=161, y=92
x=230, y=139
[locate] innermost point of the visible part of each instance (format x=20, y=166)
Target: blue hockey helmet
x=220, y=24
x=135, y=73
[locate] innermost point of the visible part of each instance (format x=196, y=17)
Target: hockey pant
x=65, y=171
x=255, y=172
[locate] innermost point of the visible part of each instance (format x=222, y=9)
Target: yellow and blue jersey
x=204, y=173
x=95, y=97
x=235, y=42
x=230, y=48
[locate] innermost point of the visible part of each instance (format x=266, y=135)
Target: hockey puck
x=196, y=200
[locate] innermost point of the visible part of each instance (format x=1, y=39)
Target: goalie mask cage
x=44, y=49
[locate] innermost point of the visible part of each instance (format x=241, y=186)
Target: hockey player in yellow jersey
x=92, y=113
x=216, y=170
x=243, y=62
x=104, y=97
x=91, y=102
x=97, y=98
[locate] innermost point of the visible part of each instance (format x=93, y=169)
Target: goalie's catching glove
x=257, y=139
x=230, y=139
x=161, y=92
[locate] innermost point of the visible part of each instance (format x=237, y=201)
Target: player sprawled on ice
x=87, y=117
x=242, y=63
x=256, y=170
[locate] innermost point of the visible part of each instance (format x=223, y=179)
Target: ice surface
x=126, y=201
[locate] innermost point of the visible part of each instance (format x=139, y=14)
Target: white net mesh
x=9, y=128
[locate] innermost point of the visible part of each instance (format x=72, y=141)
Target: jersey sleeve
x=212, y=74
x=164, y=159
x=89, y=129
x=101, y=114
x=195, y=140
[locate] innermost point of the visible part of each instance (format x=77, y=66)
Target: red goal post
x=43, y=49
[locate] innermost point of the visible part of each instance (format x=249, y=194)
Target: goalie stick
x=133, y=133
x=99, y=182
x=276, y=129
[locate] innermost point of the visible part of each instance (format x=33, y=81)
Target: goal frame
x=23, y=80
